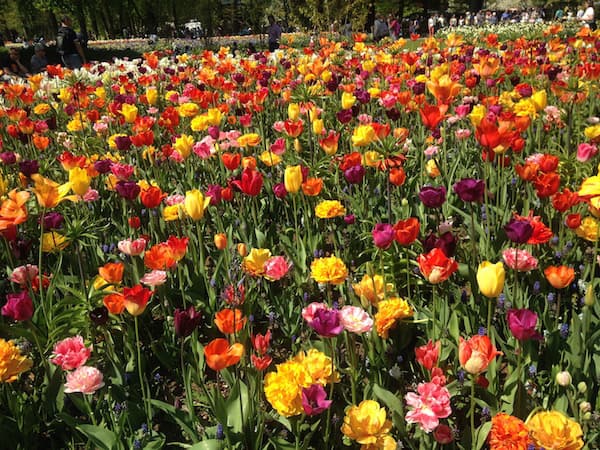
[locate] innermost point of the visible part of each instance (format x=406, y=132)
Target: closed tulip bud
x=220, y=241
x=242, y=249
x=297, y=145
x=563, y=378
x=195, y=203
x=293, y=179
x=585, y=407
x=317, y=126
x=490, y=278
x=582, y=387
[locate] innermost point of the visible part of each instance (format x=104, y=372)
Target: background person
x=274, y=33
x=12, y=65
x=69, y=46
x=38, y=61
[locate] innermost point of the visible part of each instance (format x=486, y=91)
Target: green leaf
x=100, y=436
x=178, y=416
x=481, y=435
x=237, y=414
x=208, y=444
x=390, y=400
x=156, y=444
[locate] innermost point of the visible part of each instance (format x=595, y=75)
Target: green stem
x=472, y=412
x=328, y=420
x=88, y=406
x=141, y=375
x=188, y=388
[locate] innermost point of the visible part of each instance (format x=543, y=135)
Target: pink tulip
x=355, y=319
x=70, y=353
x=85, y=379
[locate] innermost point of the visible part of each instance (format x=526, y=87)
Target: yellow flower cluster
x=367, y=424
x=12, y=363
x=372, y=289
x=329, y=209
x=328, y=270
x=390, y=311
x=283, y=388
x=553, y=430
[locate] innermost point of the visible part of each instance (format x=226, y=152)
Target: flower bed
x=339, y=245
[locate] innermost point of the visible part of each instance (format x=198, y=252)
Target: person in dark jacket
x=68, y=45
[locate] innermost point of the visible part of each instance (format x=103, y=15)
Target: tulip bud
x=587, y=416
x=297, y=145
x=585, y=407
x=582, y=387
x=242, y=249
x=590, y=297
x=563, y=378
x=293, y=178
x=220, y=240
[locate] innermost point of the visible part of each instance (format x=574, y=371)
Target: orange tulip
x=12, y=210
x=220, y=240
x=559, y=276
x=476, y=354
x=312, y=187
x=152, y=196
x=218, y=354
x=115, y=303
x=436, y=266
x=112, y=273
x=50, y=193
x=230, y=321
x=159, y=257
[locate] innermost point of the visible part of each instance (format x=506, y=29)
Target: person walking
x=274, y=33
x=68, y=45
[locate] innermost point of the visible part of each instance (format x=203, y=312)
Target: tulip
x=563, y=378
x=19, y=307
x=186, y=321
x=80, y=180
x=136, y=299
x=476, y=354
x=470, y=190
x=490, y=278
x=433, y=197
x=383, y=235
x=559, y=277
x=293, y=179
x=220, y=240
x=195, y=204
x=518, y=231
x=314, y=400
x=218, y=354
x=522, y=323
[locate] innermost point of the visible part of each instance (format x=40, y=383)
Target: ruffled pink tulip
x=355, y=319
x=519, y=260
x=85, y=379
x=70, y=353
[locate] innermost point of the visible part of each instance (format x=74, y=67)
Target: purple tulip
x=128, y=189
x=383, y=235
x=18, y=307
x=433, y=197
x=446, y=243
x=123, y=143
x=186, y=321
x=103, y=165
x=214, y=192
x=314, y=400
x=53, y=220
x=362, y=96
x=214, y=132
x=29, y=167
x=8, y=158
x=350, y=219
x=354, y=174
x=279, y=190
x=99, y=316
x=522, y=323
x=470, y=190
x=518, y=231
x=326, y=322
x=344, y=116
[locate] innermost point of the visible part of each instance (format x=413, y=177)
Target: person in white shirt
x=588, y=15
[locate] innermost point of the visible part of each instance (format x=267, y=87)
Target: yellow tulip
x=80, y=180
x=199, y=123
x=195, y=204
x=490, y=278
x=171, y=213
x=540, y=100
x=293, y=111
x=129, y=112
x=477, y=114
x=52, y=242
x=348, y=100
x=249, y=140
x=49, y=193
x=317, y=126
x=293, y=179
x=152, y=96
x=363, y=135
x=184, y=144
x=188, y=109
x=213, y=117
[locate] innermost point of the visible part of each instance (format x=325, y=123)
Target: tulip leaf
x=390, y=400
x=179, y=416
x=101, y=437
x=481, y=435
x=237, y=413
x=208, y=444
